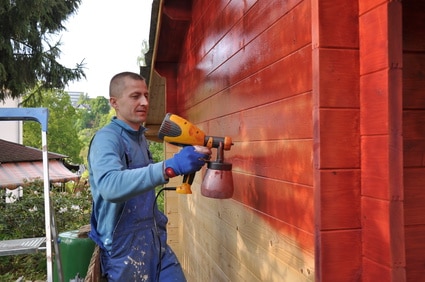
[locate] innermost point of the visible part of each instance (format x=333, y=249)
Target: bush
x=25, y=219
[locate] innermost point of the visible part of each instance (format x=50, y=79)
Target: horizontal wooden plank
x=338, y=205
x=228, y=42
x=340, y=255
x=383, y=232
x=415, y=249
x=414, y=196
x=414, y=124
x=285, y=119
x=373, y=28
x=338, y=74
x=413, y=26
x=366, y=6
x=413, y=80
x=230, y=245
x=374, y=103
x=286, y=160
x=338, y=24
x=375, y=171
x=414, y=153
x=340, y=142
x=232, y=66
x=373, y=271
x=292, y=204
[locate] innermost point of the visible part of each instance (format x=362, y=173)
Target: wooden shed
x=325, y=102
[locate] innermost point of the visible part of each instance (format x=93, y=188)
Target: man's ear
x=113, y=102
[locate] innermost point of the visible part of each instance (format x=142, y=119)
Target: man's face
x=132, y=105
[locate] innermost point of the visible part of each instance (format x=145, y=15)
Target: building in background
x=11, y=130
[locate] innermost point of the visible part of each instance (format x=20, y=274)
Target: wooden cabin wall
x=325, y=107
x=381, y=141
x=246, y=72
x=336, y=121
x=414, y=137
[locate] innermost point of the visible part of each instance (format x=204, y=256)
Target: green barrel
x=75, y=255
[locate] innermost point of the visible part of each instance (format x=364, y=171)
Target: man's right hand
x=187, y=161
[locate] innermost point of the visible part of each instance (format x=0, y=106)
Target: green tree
x=62, y=135
x=28, y=60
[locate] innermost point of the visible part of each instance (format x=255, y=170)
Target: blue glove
x=186, y=161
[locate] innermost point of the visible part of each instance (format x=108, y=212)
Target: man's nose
x=144, y=101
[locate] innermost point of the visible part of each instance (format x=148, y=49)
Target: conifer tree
x=28, y=58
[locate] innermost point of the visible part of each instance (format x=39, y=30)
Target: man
x=125, y=221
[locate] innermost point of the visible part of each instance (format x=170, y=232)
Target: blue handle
x=40, y=115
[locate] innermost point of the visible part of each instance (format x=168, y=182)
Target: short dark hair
x=116, y=84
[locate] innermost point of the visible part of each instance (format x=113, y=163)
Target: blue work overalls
x=139, y=249
x=150, y=258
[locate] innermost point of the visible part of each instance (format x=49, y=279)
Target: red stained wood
x=374, y=40
x=262, y=88
x=286, y=160
x=382, y=233
x=414, y=197
x=375, y=172
x=413, y=80
x=346, y=32
x=414, y=125
x=339, y=79
x=339, y=143
x=413, y=26
x=291, y=116
x=339, y=204
x=235, y=57
x=290, y=203
x=415, y=249
x=247, y=70
x=340, y=256
x=373, y=272
x=374, y=103
x=413, y=153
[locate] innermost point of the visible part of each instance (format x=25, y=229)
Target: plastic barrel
x=75, y=255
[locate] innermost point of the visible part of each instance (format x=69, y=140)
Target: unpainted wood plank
x=228, y=239
x=209, y=258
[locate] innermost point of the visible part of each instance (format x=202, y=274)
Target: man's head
x=128, y=95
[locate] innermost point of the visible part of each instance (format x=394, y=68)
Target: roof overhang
x=13, y=175
x=170, y=20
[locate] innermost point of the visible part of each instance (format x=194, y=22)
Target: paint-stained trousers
x=139, y=250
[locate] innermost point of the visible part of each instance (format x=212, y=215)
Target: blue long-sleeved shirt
x=113, y=150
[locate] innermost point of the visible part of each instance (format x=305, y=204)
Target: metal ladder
x=32, y=245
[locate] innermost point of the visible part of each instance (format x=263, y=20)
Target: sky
x=108, y=36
